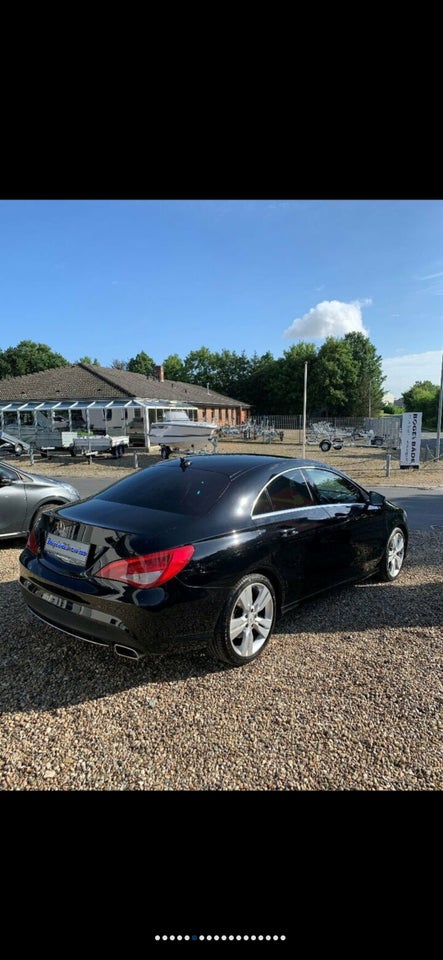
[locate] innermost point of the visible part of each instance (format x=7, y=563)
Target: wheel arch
x=52, y=502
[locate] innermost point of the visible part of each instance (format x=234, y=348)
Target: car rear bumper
x=114, y=623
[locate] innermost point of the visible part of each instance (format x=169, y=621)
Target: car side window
x=331, y=488
x=7, y=474
x=285, y=492
x=262, y=505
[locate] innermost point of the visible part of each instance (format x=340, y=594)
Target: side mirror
x=5, y=481
x=376, y=499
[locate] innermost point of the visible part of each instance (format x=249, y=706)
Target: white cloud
x=402, y=372
x=330, y=318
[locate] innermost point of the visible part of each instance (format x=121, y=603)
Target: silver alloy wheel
x=251, y=620
x=395, y=554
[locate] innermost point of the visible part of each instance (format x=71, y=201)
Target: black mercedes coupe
x=208, y=548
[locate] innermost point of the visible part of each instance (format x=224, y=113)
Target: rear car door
x=291, y=525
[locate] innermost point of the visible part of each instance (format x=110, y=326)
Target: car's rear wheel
x=394, y=556
x=247, y=621
x=325, y=445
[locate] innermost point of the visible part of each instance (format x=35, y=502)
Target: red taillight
x=150, y=570
x=32, y=542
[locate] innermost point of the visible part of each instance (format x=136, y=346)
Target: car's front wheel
x=394, y=556
x=40, y=510
x=247, y=621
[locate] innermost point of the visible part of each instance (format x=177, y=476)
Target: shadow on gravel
x=369, y=606
x=41, y=669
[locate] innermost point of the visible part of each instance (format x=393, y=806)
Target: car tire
x=393, y=557
x=377, y=441
x=19, y=449
x=325, y=445
x=246, y=623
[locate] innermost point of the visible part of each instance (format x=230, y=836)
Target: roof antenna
x=185, y=462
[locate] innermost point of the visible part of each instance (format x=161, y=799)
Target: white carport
x=14, y=419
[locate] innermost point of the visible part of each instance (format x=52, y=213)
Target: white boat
x=178, y=432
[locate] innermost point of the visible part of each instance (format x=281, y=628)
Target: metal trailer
x=19, y=446
x=92, y=446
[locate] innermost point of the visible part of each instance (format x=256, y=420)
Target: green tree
x=390, y=409
x=200, y=366
x=366, y=399
x=258, y=391
x=141, y=363
x=423, y=397
x=173, y=368
x=286, y=389
x=332, y=384
x=92, y=363
x=231, y=373
x=29, y=357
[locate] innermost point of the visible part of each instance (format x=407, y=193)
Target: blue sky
x=109, y=278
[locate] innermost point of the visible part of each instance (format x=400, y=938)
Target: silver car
x=24, y=496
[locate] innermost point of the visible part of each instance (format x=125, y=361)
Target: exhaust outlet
x=127, y=652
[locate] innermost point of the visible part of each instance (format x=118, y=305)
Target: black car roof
x=234, y=464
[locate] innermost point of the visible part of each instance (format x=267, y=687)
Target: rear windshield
x=191, y=492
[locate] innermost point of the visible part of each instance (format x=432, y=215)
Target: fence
x=386, y=427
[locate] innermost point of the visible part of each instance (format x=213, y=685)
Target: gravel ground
x=347, y=696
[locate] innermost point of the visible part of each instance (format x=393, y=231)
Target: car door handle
x=289, y=532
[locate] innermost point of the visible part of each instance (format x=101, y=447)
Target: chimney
x=159, y=373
